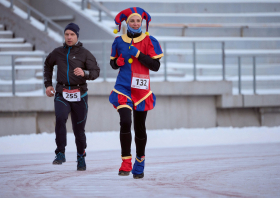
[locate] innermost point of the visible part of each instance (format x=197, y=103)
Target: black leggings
x=139, y=119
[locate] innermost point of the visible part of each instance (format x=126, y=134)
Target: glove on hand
x=120, y=61
x=133, y=51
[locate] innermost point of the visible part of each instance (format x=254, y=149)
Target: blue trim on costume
x=132, y=10
x=139, y=10
x=156, y=45
x=123, y=16
x=68, y=67
x=84, y=95
x=154, y=98
x=141, y=106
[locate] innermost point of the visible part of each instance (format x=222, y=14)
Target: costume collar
x=126, y=39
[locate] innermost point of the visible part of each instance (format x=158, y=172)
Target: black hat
x=74, y=27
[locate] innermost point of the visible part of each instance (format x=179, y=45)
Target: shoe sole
x=81, y=169
x=140, y=176
x=124, y=173
x=57, y=163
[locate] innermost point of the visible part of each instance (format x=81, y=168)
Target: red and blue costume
x=134, y=54
x=124, y=94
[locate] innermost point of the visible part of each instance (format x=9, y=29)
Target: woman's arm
x=147, y=61
x=113, y=64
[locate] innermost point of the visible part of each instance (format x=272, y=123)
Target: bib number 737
x=140, y=81
x=72, y=95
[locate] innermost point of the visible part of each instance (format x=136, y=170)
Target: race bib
x=72, y=95
x=140, y=81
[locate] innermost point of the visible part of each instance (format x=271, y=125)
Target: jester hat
x=129, y=12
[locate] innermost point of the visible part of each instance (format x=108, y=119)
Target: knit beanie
x=73, y=27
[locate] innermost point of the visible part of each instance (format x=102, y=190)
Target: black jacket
x=67, y=59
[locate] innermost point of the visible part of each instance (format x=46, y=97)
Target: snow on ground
x=96, y=141
x=216, y=162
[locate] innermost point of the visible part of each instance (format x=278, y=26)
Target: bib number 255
x=72, y=95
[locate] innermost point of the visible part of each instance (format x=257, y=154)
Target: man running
x=75, y=65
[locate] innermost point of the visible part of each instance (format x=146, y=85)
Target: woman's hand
x=120, y=61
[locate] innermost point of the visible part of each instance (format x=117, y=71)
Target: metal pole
x=165, y=61
x=28, y=13
x=100, y=16
x=43, y=63
x=12, y=4
x=223, y=61
x=13, y=76
x=254, y=74
x=194, y=62
x=104, y=62
x=239, y=75
x=83, y=4
x=46, y=25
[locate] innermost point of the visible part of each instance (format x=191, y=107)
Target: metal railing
x=105, y=61
x=163, y=44
x=98, y=6
x=194, y=56
x=31, y=10
x=13, y=71
x=254, y=68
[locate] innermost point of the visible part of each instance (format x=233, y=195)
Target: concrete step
x=231, y=18
x=230, y=43
x=215, y=31
x=217, y=59
x=188, y=6
x=216, y=69
x=29, y=61
x=173, y=42
x=6, y=34
x=6, y=57
x=11, y=40
x=21, y=85
x=22, y=72
x=16, y=47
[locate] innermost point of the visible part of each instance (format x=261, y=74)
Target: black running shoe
x=59, y=159
x=124, y=173
x=140, y=176
x=81, y=166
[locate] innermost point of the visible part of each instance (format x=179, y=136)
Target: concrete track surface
x=251, y=170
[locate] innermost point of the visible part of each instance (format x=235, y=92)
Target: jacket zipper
x=68, y=67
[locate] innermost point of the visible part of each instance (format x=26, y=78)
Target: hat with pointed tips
x=128, y=13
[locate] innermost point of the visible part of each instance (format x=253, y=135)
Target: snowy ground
x=217, y=162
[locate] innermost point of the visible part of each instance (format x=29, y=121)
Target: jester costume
x=134, y=54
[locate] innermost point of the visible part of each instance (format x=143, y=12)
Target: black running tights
x=139, y=119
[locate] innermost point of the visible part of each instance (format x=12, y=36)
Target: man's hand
x=50, y=91
x=133, y=51
x=79, y=72
x=120, y=61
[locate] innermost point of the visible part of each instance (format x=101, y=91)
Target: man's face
x=70, y=37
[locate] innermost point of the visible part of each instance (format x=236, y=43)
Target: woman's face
x=135, y=22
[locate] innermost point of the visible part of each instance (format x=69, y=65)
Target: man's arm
x=48, y=71
x=92, y=69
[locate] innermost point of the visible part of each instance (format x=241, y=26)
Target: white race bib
x=140, y=81
x=72, y=95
